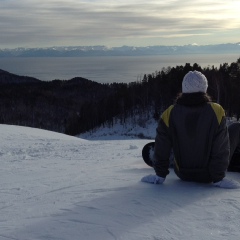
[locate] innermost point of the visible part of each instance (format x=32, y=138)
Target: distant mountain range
x=83, y=51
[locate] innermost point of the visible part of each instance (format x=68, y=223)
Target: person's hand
x=227, y=183
x=153, y=179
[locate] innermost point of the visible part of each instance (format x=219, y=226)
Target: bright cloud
x=98, y=22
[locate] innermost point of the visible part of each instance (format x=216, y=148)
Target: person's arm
x=163, y=145
x=220, y=151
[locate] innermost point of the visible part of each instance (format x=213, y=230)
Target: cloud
x=73, y=22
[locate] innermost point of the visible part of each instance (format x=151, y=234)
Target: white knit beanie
x=194, y=82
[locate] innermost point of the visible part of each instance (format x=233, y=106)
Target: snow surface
x=57, y=187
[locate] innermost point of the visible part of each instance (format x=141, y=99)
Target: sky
x=46, y=23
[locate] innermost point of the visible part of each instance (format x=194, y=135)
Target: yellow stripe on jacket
x=166, y=115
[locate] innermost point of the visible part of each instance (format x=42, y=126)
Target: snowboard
x=147, y=153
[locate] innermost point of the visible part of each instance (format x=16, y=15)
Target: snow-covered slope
x=121, y=131
x=54, y=186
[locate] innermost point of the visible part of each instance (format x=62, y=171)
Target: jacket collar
x=193, y=99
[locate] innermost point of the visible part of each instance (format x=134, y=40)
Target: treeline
x=62, y=106
x=78, y=105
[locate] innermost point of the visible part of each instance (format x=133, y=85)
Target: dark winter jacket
x=196, y=130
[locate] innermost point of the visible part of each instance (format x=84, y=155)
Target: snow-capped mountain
x=80, y=51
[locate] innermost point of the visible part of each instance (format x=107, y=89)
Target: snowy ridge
x=81, y=51
x=54, y=186
x=122, y=131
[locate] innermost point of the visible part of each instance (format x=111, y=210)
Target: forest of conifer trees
x=79, y=105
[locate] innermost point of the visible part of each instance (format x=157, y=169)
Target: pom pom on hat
x=194, y=82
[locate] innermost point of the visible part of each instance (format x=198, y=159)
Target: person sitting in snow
x=195, y=129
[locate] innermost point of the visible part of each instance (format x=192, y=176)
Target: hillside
x=9, y=78
x=55, y=105
x=55, y=186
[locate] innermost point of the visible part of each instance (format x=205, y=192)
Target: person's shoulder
x=218, y=110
